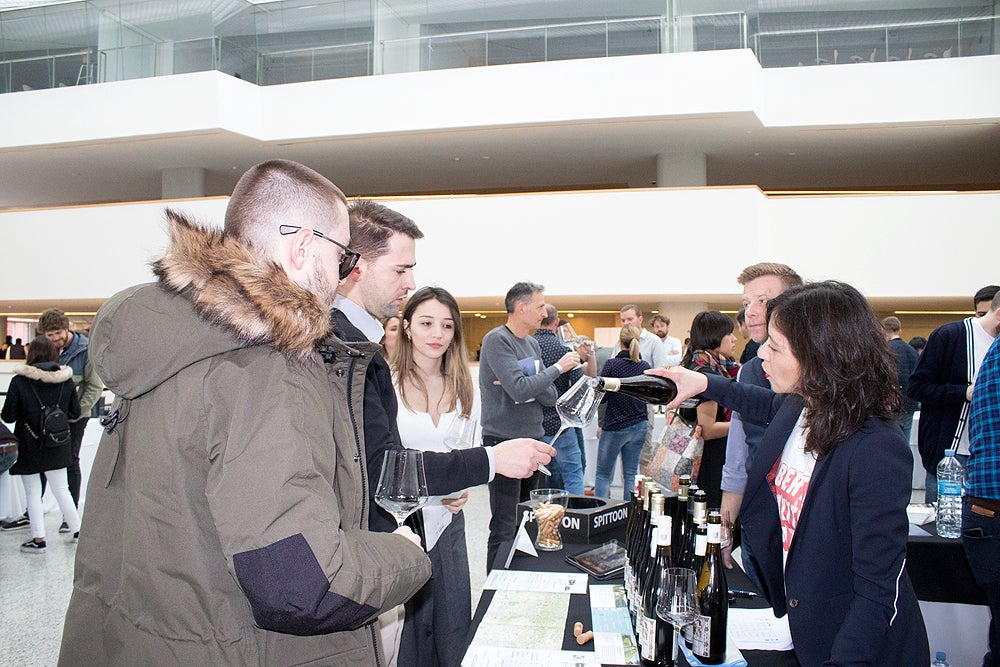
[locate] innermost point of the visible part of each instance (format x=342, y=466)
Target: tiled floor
x=34, y=593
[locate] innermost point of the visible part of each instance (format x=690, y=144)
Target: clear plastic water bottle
x=951, y=482
x=940, y=660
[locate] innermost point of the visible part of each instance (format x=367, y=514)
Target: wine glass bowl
x=461, y=433
x=578, y=405
x=550, y=506
x=402, y=485
x=678, y=601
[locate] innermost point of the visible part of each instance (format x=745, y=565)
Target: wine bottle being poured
x=648, y=388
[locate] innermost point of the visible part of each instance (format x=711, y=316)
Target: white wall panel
x=581, y=243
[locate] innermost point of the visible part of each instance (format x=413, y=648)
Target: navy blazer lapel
x=772, y=445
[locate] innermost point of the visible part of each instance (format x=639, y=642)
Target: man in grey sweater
x=514, y=386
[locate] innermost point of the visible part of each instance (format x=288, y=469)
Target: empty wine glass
x=678, y=601
x=567, y=336
x=461, y=433
x=578, y=405
x=402, y=486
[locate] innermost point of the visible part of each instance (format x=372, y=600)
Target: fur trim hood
x=49, y=372
x=214, y=296
x=251, y=298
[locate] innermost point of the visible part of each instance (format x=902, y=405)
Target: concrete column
x=675, y=170
x=182, y=182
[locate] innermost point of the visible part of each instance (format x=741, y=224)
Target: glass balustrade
x=92, y=41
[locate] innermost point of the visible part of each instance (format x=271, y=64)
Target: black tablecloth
x=939, y=570
x=579, y=605
x=937, y=566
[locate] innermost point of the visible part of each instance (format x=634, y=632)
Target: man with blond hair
x=761, y=283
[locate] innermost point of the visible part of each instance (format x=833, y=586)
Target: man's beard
x=319, y=284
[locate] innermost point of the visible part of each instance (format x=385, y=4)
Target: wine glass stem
x=676, y=640
x=559, y=433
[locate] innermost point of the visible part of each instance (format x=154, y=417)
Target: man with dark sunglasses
x=229, y=526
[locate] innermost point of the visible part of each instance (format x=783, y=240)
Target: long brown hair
x=454, y=361
x=847, y=372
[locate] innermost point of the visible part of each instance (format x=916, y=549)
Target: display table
x=954, y=608
x=579, y=605
x=952, y=605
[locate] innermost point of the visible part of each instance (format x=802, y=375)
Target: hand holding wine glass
x=678, y=602
x=402, y=486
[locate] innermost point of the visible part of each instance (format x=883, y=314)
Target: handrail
x=879, y=26
x=48, y=57
x=544, y=26
x=310, y=49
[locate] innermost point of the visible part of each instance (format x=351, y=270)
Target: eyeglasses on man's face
x=348, y=258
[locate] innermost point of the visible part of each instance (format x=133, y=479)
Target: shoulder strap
x=970, y=371
x=39, y=398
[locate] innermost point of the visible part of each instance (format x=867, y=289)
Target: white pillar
x=681, y=170
x=182, y=182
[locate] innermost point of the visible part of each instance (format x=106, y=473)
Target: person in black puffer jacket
x=36, y=384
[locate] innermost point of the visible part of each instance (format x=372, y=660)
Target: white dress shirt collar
x=361, y=318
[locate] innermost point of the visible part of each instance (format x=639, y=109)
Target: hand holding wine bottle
x=688, y=383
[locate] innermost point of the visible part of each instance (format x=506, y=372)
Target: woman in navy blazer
x=835, y=560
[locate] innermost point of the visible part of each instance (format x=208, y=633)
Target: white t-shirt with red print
x=789, y=481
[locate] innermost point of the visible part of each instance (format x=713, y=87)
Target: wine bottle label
x=700, y=544
x=647, y=637
x=714, y=533
x=612, y=384
x=700, y=514
x=701, y=635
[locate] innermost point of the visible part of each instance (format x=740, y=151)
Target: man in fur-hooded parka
x=226, y=518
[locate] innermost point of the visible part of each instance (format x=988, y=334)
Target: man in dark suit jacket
x=942, y=382
x=375, y=289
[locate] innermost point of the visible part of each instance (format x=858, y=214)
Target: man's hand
x=968, y=392
x=405, y=531
x=569, y=361
x=455, y=505
x=730, y=510
x=689, y=383
x=519, y=458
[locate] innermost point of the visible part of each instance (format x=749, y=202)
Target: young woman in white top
x=434, y=387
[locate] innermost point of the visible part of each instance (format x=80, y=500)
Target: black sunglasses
x=348, y=260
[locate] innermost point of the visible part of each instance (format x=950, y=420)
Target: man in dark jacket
x=73, y=352
x=942, y=382
x=906, y=359
x=375, y=290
